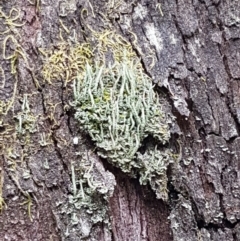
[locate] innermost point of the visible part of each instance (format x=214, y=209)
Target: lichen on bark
x=118, y=108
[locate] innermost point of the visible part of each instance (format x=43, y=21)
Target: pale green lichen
x=92, y=194
x=92, y=186
x=118, y=107
x=26, y=121
x=153, y=169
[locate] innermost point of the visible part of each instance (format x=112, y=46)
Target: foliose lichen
x=153, y=169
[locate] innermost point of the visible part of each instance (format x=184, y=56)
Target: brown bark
x=190, y=49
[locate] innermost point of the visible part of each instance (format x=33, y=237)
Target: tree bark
x=190, y=50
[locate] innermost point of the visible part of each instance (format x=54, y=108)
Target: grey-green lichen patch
x=26, y=121
x=92, y=187
x=153, y=166
x=118, y=108
x=67, y=7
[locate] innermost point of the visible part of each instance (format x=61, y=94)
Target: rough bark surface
x=191, y=51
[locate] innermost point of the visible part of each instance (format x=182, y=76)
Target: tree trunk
x=54, y=185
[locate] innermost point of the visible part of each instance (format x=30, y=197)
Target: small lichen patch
x=153, y=167
x=140, y=12
x=26, y=120
x=92, y=187
x=154, y=36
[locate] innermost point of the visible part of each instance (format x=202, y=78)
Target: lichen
x=153, y=169
x=65, y=61
x=26, y=120
x=92, y=187
x=118, y=107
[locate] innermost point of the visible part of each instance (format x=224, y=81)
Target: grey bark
x=190, y=49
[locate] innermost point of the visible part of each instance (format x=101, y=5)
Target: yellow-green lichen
x=65, y=62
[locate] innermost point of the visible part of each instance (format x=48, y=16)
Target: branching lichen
x=26, y=120
x=115, y=103
x=93, y=191
x=118, y=107
x=91, y=188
